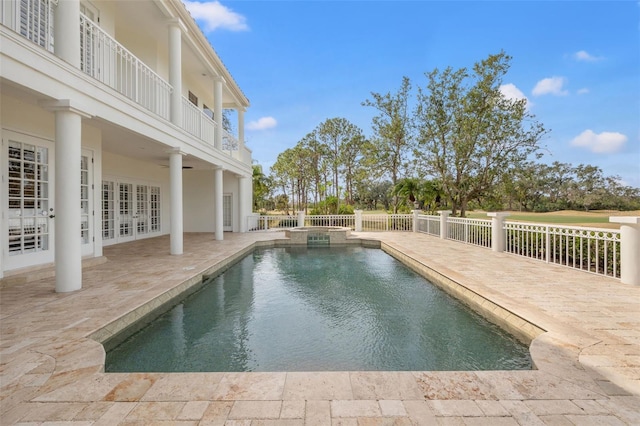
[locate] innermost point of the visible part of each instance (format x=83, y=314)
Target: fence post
x=497, y=231
x=629, y=248
x=444, y=224
x=300, y=218
x=415, y=220
x=358, y=226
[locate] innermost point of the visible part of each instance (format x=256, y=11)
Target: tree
x=261, y=187
x=469, y=134
x=336, y=134
x=393, y=135
x=408, y=189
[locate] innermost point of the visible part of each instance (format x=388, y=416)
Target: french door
x=227, y=212
x=130, y=211
x=86, y=203
x=29, y=163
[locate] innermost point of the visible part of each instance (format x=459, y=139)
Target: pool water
x=318, y=309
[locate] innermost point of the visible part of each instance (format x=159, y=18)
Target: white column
x=242, y=203
x=301, y=218
x=175, y=175
x=217, y=111
x=415, y=220
x=68, y=246
x=67, y=219
x=629, y=248
x=175, y=69
x=444, y=225
x=67, y=31
x=217, y=200
x=240, y=132
x=497, y=231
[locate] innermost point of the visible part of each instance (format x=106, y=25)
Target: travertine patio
x=588, y=359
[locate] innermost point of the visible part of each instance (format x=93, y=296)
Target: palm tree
x=409, y=189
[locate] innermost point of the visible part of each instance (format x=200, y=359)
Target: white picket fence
x=589, y=249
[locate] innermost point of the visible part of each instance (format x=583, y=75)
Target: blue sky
x=302, y=62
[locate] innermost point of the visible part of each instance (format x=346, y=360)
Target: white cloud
x=262, y=123
x=212, y=15
x=602, y=143
x=510, y=91
x=583, y=91
x=585, y=56
x=550, y=86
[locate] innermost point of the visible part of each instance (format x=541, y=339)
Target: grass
x=598, y=218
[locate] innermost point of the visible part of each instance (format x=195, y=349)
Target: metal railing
x=476, y=232
x=344, y=220
x=429, y=224
x=197, y=122
x=106, y=60
x=587, y=249
x=264, y=223
x=387, y=222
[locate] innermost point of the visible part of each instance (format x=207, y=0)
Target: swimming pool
x=319, y=309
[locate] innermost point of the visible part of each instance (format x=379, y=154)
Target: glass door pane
x=126, y=209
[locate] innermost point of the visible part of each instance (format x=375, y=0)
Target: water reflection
x=306, y=309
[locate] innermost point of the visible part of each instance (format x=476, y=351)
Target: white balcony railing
x=197, y=122
x=108, y=61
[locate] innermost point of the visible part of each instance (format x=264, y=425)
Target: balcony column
x=240, y=132
x=176, y=27
x=67, y=31
x=217, y=201
x=242, y=204
x=175, y=176
x=217, y=111
x=66, y=215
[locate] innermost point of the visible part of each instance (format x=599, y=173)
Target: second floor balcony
x=110, y=63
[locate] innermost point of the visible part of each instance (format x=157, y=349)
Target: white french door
x=130, y=211
x=28, y=164
x=227, y=212
x=86, y=203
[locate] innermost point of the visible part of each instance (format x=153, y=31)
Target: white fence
x=589, y=249
x=593, y=250
x=470, y=231
x=106, y=60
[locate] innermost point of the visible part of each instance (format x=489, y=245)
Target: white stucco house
x=111, y=125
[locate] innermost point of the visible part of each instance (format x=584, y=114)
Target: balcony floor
x=588, y=361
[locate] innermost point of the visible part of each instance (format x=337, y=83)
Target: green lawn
x=598, y=219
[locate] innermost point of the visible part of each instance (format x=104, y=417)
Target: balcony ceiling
x=147, y=18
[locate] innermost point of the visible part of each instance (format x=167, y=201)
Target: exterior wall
x=199, y=204
x=198, y=200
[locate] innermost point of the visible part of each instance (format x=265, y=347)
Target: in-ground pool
x=318, y=309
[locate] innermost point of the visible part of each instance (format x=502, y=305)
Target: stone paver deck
x=588, y=358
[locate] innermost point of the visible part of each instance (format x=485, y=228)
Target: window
x=36, y=22
x=207, y=111
x=193, y=98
